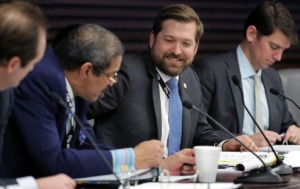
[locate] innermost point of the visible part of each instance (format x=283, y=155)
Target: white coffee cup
x=207, y=158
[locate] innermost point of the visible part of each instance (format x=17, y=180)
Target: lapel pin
x=184, y=85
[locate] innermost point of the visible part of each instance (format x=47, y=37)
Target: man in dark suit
x=268, y=31
x=136, y=109
x=42, y=136
x=23, y=41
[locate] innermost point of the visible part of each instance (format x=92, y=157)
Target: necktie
x=71, y=123
x=258, y=104
x=70, y=117
x=175, y=117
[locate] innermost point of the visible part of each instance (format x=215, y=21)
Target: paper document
x=292, y=159
x=152, y=185
x=246, y=161
x=281, y=148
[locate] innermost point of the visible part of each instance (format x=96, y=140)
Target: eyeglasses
x=112, y=77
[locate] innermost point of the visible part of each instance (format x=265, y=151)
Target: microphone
x=277, y=93
x=60, y=101
x=266, y=176
x=280, y=167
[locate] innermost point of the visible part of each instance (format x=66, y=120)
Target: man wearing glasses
x=42, y=137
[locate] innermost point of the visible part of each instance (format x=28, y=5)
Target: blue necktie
x=175, y=117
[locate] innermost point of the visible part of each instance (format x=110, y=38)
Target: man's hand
x=180, y=163
x=292, y=135
x=148, y=154
x=60, y=181
x=260, y=141
x=233, y=145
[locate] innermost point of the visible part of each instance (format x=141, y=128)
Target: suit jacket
x=130, y=111
x=222, y=98
x=35, y=137
x=6, y=103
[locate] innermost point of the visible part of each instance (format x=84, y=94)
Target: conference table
x=290, y=182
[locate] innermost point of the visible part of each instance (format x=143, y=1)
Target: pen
x=282, y=135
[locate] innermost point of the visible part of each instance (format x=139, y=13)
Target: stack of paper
x=246, y=161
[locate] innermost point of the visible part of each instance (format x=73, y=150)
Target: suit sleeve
x=207, y=80
x=42, y=126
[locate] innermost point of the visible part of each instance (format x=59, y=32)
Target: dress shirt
x=247, y=75
x=123, y=159
x=27, y=183
x=164, y=105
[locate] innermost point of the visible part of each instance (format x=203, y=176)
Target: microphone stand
x=60, y=101
x=280, y=167
x=266, y=176
x=276, y=92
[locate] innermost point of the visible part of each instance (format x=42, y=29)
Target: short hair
x=63, y=33
x=20, y=26
x=269, y=16
x=89, y=43
x=180, y=13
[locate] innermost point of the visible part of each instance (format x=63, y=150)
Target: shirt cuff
x=123, y=160
x=221, y=144
x=27, y=182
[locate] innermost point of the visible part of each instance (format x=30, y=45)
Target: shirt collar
x=246, y=68
x=164, y=77
x=69, y=89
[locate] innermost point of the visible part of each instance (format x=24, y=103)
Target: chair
x=291, y=86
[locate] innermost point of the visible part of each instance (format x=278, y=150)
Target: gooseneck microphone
x=280, y=167
x=265, y=176
x=60, y=101
x=277, y=93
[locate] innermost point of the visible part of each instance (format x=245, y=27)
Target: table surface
x=290, y=181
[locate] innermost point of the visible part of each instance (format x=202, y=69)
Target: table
x=292, y=182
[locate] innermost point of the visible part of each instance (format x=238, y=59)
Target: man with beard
x=137, y=108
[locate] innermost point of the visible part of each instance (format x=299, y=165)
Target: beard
x=172, y=70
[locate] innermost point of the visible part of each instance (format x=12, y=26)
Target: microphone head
x=235, y=80
x=187, y=104
x=274, y=91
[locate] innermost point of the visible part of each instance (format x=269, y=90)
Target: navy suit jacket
x=6, y=103
x=222, y=98
x=35, y=137
x=130, y=111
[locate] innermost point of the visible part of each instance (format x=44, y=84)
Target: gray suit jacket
x=223, y=100
x=130, y=112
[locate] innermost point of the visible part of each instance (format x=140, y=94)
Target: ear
x=251, y=33
x=13, y=64
x=86, y=70
x=151, y=39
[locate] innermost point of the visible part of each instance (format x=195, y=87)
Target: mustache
x=172, y=55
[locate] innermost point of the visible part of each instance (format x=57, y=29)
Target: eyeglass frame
x=113, y=78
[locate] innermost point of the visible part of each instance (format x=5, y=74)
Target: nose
x=112, y=81
x=278, y=55
x=176, y=49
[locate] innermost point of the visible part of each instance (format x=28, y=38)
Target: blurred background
x=131, y=21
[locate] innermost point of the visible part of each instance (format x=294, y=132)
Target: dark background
x=131, y=21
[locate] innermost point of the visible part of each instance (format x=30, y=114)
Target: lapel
x=233, y=69
x=155, y=92
x=186, y=117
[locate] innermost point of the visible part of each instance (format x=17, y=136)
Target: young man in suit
x=137, y=108
x=43, y=140
x=268, y=31
x=22, y=44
